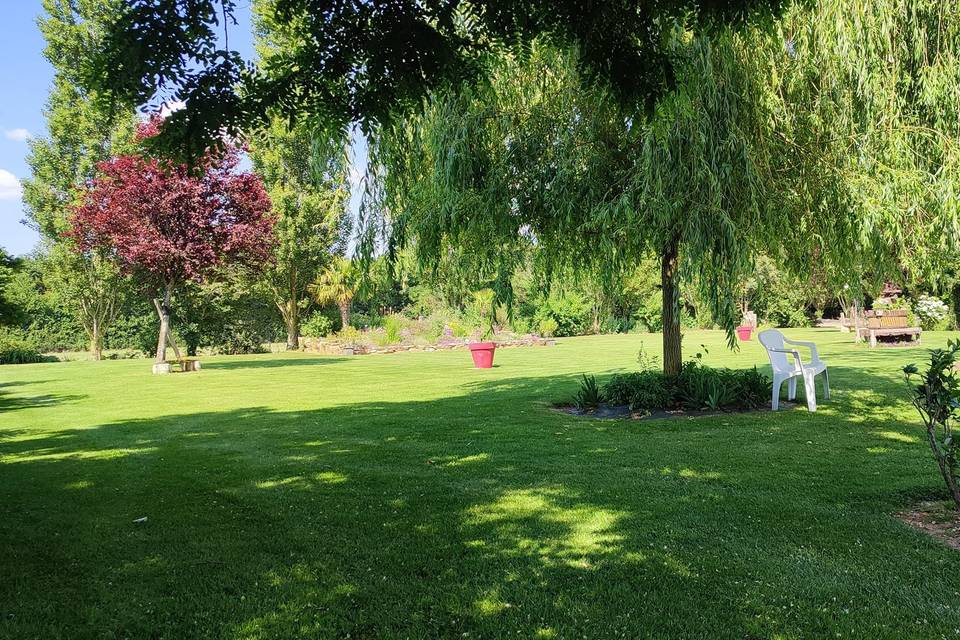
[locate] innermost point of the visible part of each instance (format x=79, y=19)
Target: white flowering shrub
x=932, y=312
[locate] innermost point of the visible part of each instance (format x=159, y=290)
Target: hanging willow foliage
x=868, y=109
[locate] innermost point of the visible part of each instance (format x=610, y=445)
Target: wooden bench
x=893, y=323
x=186, y=364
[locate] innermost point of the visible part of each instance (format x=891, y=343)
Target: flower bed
x=360, y=346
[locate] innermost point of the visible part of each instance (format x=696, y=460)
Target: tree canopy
x=342, y=62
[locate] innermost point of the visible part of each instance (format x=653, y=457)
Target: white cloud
x=17, y=135
x=10, y=188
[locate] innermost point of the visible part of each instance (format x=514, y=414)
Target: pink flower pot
x=744, y=331
x=482, y=353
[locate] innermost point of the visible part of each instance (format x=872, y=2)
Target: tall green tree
x=307, y=180
x=9, y=313
x=79, y=135
x=306, y=172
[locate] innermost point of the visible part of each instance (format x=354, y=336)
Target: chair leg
x=775, y=400
x=826, y=385
x=792, y=389
x=810, y=391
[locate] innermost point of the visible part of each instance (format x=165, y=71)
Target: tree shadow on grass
x=247, y=363
x=483, y=515
x=12, y=403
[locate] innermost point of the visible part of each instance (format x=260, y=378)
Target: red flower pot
x=744, y=331
x=482, y=353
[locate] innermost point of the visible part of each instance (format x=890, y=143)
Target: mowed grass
x=411, y=496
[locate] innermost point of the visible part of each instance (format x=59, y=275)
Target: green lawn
x=411, y=496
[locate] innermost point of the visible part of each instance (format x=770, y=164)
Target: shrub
x=937, y=399
x=123, y=354
x=134, y=331
x=701, y=387
x=17, y=349
x=571, y=313
x=548, y=327
x=365, y=321
x=696, y=387
x=785, y=312
x=521, y=324
x=645, y=390
x=458, y=329
x=352, y=337
x=754, y=388
x=589, y=394
x=317, y=326
x=932, y=313
x=392, y=325
x=239, y=338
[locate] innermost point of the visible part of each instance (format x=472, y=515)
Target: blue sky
x=26, y=77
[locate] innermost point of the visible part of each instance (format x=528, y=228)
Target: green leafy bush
x=239, y=338
x=702, y=387
x=392, y=325
x=17, y=349
x=317, y=325
x=458, y=329
x=645, y=390
x=365, y=321
x=571, y=313
x=548, y=327
x=936, y=395
x=932, y=313
x=697, y=387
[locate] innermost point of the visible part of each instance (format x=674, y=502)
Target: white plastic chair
x=785, y=370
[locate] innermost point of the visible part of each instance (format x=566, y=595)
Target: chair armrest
x=793, y=352
x=814, y=355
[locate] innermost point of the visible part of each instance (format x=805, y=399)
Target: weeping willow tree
x=829, y=141
x=539, y=156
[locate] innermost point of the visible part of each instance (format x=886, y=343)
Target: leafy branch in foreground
x=937, y=399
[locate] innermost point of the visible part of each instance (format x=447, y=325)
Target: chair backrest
x=773, y=339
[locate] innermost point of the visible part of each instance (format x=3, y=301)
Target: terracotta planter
x=482, y=353
x=744, y=331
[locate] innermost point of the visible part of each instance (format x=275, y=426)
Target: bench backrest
x=888, y=319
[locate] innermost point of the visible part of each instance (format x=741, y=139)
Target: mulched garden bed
x=623, y=412
x=937, y=519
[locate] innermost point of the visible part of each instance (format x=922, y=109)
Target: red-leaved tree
x=168, y=223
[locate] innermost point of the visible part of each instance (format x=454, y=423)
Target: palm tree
x=337, y=284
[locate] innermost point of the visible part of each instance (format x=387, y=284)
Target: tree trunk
x=163, y=310
x=96, y=342
x=945, y=462
x=672, y=355
x=344, y=315
x=292, y=318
